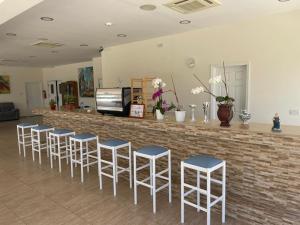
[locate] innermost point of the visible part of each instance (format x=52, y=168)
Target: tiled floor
x=34, y=194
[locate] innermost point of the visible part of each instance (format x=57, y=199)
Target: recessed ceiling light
x=283, y=0
x=184, y=21
x=122, y=35
x=108, y=24
x=84, y=45
x=148, y=7
x=11, y=34
x=46, y=18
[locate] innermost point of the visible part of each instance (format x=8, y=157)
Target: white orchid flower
x=215, y=80
x=163, y=84
x=197, y=90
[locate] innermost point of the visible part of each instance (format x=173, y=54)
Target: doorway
x=33, y=96
x=54, y=92
x=238, y=79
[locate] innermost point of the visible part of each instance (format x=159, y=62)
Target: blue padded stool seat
x=61, y=131
x=84, y=136
x=41, y=127
x=204, y=161
x=114, y=142
x=26, y=125
x=152, y=150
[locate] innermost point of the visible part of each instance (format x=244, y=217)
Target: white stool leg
x=32, y=143
x=170, y=176
x=114, y=171
x=19, y=143
x=75, y=153
x=71, y=157
x=223, y=192
x=99, y=165
x=67, y=149
x=116, y=162
x=51, y=150
x=39, y=146
x=198, y=192
x=182, y=192
x=208, y=199
x=81, y=161
x=47, y=143
x=134, y=178
x=151, y=178
x=87, y=157
x=24, y=145
x=154, y=185
x=59, y=154
x=130, y=169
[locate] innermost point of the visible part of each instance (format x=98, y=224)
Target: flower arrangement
x=226, y=100
x=157, y=96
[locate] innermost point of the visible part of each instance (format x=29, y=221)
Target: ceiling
x=79, y=22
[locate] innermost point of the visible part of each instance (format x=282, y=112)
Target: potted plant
x=179, y=113
x=69, y=102
x=161, y=106
x=225, y=103
x=52, y=104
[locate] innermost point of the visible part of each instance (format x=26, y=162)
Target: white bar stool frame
x=85, y=154
x=36, y=142
x=56, y=144
x=153, y=175
x=114, y=164
x=207, y=192
x=23, y=137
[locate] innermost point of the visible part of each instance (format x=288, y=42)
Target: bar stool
x=152, y=153
x=206, y=164
x=85, y=154
x=59, y=147
x=114, y=145
x=24, y=137
x=37, y=146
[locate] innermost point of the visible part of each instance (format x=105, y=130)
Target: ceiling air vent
x=190, y=6
x=44, y=44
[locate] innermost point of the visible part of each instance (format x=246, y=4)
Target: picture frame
x=137, y=111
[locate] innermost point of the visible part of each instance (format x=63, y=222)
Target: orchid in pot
x=161, y=106
x=225, y=103
x=179, y=112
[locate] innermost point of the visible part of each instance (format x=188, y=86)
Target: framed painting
x=86, y=82
x=137, y=111
x=4, y=84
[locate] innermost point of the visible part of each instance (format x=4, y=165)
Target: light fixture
x=185, y=21
x=108, y=24
x=54, y=51
x=46, y=18
x=283, y=0
x=84, y=45
x=148, y=7
x=1, y=1
x=122, y=35
x=11, y=34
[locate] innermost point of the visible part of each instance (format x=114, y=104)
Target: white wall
x=18, y=78
x=70, y=73
x=271, y=45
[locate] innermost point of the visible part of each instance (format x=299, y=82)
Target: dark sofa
x=8, y=111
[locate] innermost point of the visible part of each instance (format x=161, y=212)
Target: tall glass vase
x=205, y=111
x=193, y=107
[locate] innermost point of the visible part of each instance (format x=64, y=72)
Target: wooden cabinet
x=69, y=91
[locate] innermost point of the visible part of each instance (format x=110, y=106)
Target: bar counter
x=263, y=168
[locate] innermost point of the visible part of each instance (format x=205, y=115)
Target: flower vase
x=225, y=114
x=159, y=115
x=180, y=116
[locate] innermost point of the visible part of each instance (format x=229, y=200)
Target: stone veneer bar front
x=263, y=168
